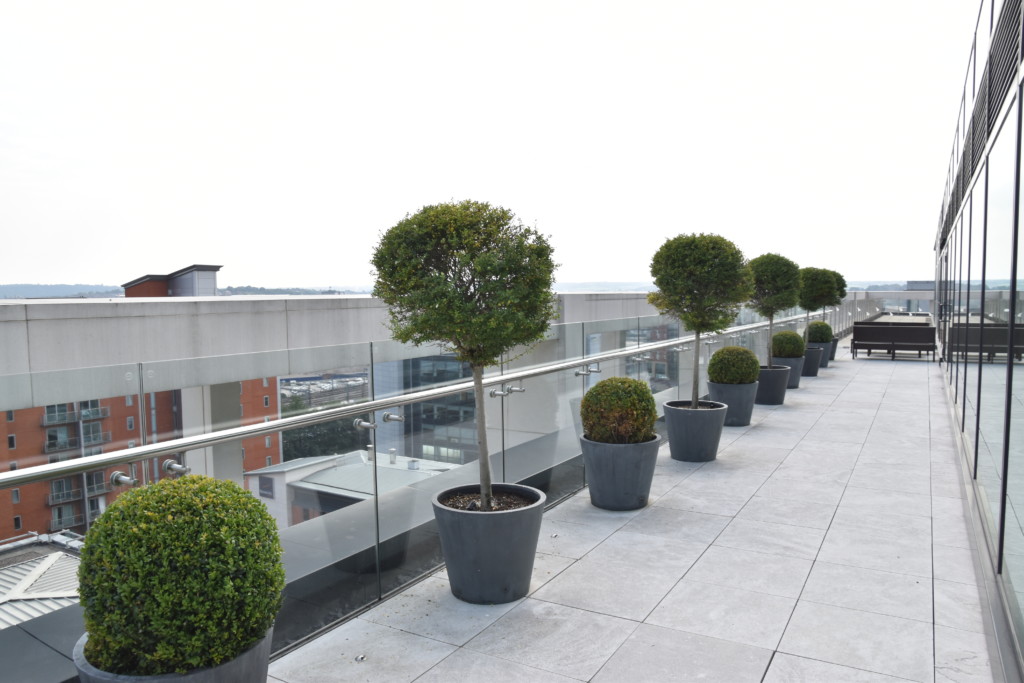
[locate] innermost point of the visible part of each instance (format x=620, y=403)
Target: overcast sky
x=279, y=139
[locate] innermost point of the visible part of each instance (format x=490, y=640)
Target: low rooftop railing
x=366, y=526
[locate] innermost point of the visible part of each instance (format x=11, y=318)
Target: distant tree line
x=24, y=291
x=295, y=291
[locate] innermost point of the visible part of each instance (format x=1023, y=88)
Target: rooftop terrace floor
x=828, y=542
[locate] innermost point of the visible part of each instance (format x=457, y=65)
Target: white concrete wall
x=64, y=350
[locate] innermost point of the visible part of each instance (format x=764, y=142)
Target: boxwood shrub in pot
x=732, y=379
x=183, y=576
x=788, y=349
x=620, y=446
x=473, y=278
x=819, y=334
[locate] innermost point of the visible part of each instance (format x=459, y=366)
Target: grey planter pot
x=738, y=400
x=835, y=347
x=693, y=435
x=771, y=385
x=489, y=555
x=251, y=665
x=619, y=475
x=812, y=360
x=826, y=349
x=796, y=368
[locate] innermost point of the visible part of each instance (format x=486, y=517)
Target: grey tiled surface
x=826, y=543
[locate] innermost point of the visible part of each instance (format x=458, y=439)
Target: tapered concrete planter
x=489, y=555
x=619, y=475
x=835, y=347
x=251, y=665
x=771, y=385
x=796, y=368
x=826, y=349
x=738, y=399
x=812, y=361
x=693, y=435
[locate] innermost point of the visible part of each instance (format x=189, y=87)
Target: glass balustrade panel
x=62, y=415
x=541, y=432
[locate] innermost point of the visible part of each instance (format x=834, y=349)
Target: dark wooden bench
x=893, y=337
x=871, y=338
x=920, y=338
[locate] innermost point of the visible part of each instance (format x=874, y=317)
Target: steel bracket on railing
x=121, y=479
x=360, y=423
x=393, y=417
x=587, y=370
x=505, y=390
x=174, y=467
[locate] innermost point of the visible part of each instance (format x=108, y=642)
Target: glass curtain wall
x=979, y=263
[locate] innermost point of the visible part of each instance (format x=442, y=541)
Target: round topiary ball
x=733, y=365
x=787, y=344
x=819, y=331
x=178, y=575
x=619, y=410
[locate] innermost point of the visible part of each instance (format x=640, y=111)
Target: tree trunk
x=695, y=401
x=481, y=438
x=771, y=323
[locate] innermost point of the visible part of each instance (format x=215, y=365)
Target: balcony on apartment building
x=837, y=518
x=51, y=418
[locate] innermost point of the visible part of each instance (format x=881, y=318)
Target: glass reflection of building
x=980, y=290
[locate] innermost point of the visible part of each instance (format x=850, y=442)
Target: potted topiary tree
x=620, y=446
x=180, y=580
x=776, y=287
x=788, y=349
x=817, y=290
x=701, y=280
x=732, y=380
x=837, y=301
x=819, y=334
x=471, y=277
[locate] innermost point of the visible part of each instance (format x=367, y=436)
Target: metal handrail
x=172, y=448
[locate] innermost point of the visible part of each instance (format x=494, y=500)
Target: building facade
x=980, y=299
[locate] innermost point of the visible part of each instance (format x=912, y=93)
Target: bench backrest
x=873, y=333
x=914, y=335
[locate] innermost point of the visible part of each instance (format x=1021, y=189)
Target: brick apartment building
x=44, y=434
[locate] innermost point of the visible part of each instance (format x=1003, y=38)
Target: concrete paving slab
x=790, y=669
x=781, y=486
x=961, y=657
x=752, y=571
x=870, y=590
x=364, y=651
x=868, y=499
x=555, y=638
x=678, y=525
x=772, y=538
x=626, y=576
x=785, y=511
x=429, y=609
x=904, y=551
x=466, y=665
x=733, y=614
x=958, y=606
x=697, y=498
x=659, y=655
x=569, y=539
x=861, y=640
